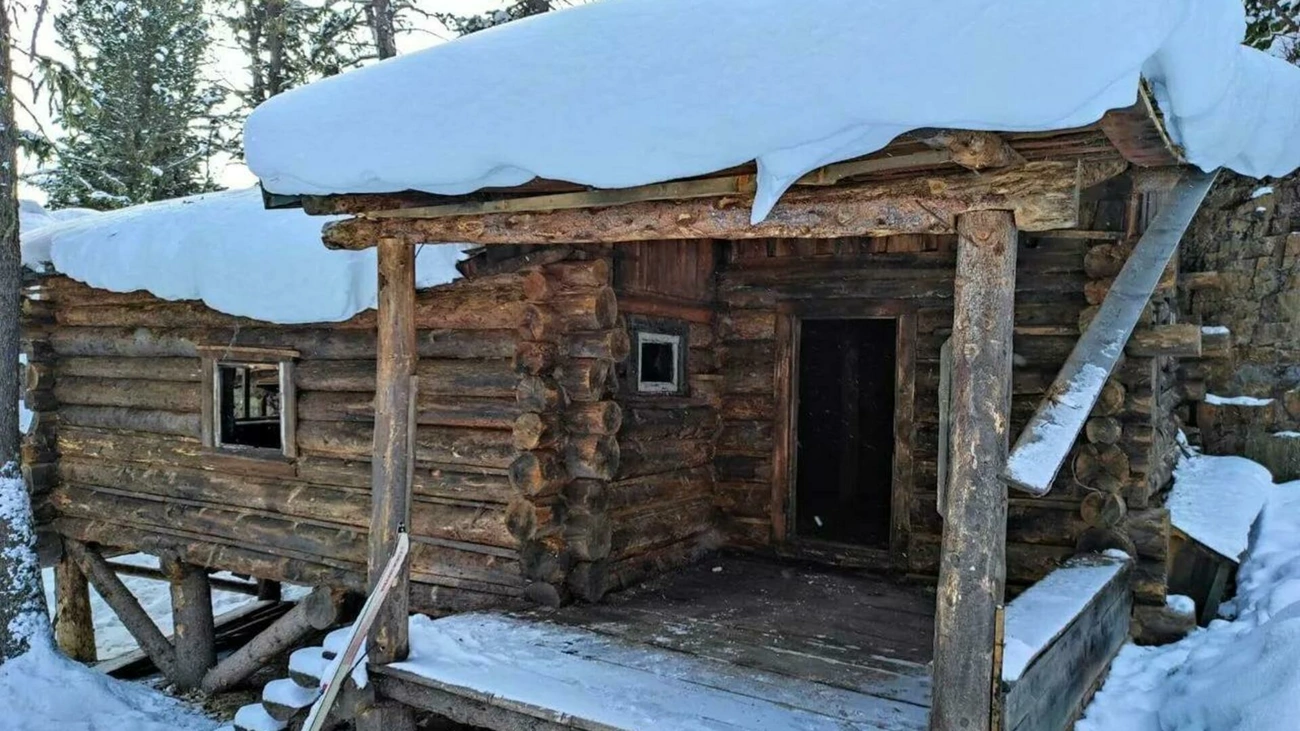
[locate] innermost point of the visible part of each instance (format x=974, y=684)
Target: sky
x=34, y=113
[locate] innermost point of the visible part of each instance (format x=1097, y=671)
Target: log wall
x=1128, y=454
x=661, y=501
x=125, y=467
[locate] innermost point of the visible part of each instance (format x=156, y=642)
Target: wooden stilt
x=194, y=638
x=74, y=627
x=125, y=606
x=972, y=572
x=393, y=448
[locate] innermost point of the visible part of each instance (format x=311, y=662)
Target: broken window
x=250, y=404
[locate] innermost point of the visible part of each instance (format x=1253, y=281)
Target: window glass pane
x=249, y=408
x=658, y=362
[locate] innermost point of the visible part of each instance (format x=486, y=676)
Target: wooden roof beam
x=972, y=150
x=1050, y=435
x=1043, y=196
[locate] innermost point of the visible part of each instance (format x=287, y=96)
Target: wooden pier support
x=74, y=627
x=393, y=446
x=194, y=637
x=972, y=572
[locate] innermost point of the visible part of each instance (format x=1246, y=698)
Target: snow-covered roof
x=630, y=92
x=227, y=250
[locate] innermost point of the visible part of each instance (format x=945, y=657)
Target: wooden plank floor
x=727, y=644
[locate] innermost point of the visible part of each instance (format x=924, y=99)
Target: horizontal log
x=639, y=458
x=539, y=394
x=535, y=358
x=592, y=457
x=312, y=343
x=432, y=409
x=644, y=423
x=585, y=310
x=1044, y=196
x=432, y=480
x=161, y=395
x=1104, y=261
x=632, y=494
x=445, y=445
x=211, y=552
x=1183, y=341
x=594, y=417
x=564, y=278
x=140, y=420
x=150, y=369
x=464, y=378
x=536, y=431
x=538, y=473
x=585, y=379
x=612, y=344
x=660, y=525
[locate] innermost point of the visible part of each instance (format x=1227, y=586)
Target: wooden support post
x=393, y=462
x=125, y=606
x=74, y=627
x=194, y=637
x=972, y=571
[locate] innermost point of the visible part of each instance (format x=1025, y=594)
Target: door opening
x=845, y=431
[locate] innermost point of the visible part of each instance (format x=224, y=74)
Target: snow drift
x=630, y=92
x=229, y=251
x=1238, y=675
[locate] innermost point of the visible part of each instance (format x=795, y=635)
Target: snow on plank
x=591, y=681
x=1215, y=500
x=1047, y=439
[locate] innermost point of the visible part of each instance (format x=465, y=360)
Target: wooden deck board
x=756, y=645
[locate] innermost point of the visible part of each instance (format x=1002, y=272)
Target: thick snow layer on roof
x=1238, y=675
x=229, y=251
x=1215, y=499
x=629, y=92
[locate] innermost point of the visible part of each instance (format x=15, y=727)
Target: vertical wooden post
x=972, y=572
x=394, y=434
x=74, y=626
x=194, y=636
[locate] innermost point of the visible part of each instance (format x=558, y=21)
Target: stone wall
x=1241, y=269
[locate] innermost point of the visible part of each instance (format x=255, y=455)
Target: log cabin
x=825, y=467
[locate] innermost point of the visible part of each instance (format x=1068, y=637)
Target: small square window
x=659, y=362
x=249, y=408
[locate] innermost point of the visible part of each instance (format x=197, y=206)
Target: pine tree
x=1274, y=26
x=139, y=116
x=466, y=24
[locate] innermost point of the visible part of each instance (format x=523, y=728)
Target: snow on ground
x=43, y=690
x=1238, y=675
x=1215, y=500
x=226, y=249
x=1217, y=400
x=616, y=94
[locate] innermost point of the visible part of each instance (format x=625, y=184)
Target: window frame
x=648, y=330
x=212, y=358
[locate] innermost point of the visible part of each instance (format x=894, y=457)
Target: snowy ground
x=1240, y=673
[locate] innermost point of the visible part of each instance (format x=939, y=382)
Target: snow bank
x=1047, y=608
x=43, y=690
x=616, y=94
x=1238, y=675
x=1215, y=500
x=227, y=250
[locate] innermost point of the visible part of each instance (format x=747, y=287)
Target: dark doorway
x=845, y=430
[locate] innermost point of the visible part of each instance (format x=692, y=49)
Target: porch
x=731, y=642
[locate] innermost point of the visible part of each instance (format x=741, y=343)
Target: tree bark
x=195, y=632
x=380, y=16
x=74, y=626
x=20, y=587
x=972, y=573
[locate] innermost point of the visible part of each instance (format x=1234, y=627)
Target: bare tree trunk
x=379, y=13
x=274, y=32
x=23, y=618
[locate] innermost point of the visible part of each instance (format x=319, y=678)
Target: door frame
x=789, y=319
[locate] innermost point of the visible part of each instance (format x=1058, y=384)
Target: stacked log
x=125, y=373
x=565, y=438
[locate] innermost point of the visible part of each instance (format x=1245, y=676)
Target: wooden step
x=253, y=717
x=284, y=698
x=307, y=666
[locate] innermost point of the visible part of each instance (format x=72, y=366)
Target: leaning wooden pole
x=972, y=571
x=393, y=447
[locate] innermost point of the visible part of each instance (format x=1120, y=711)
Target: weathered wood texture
x=972, y=571
x=74, y=626
x=121, y=372
x=1044, y=196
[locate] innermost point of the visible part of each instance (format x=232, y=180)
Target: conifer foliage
x=137, y=113
x=465, y=24
x=1274, y=25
